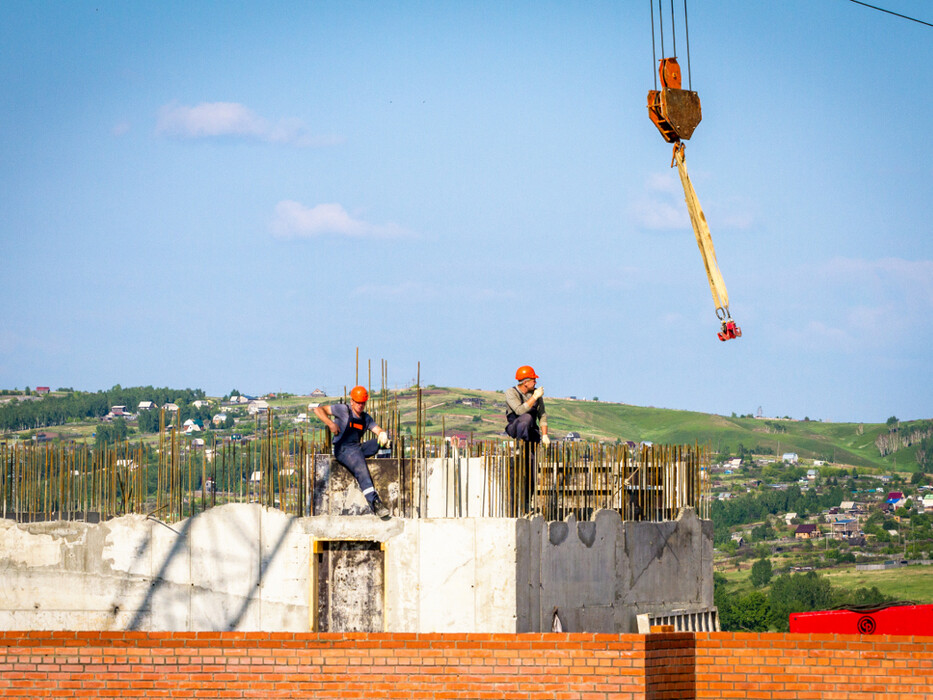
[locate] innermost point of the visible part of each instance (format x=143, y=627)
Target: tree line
x=760, y=612
x=80, y=405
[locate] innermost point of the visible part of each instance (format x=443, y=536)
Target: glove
x=538, y=393
x=383, y=438
x=545, y=440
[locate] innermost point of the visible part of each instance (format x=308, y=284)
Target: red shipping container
x=907, y=620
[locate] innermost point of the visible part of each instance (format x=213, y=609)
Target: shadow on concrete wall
x=180, y=543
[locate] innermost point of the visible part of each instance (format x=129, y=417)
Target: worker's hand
x=538, y=393
x=333, y=428
x=545, y=440
x=383, y=438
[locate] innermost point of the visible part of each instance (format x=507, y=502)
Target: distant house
x=572, y=436
x=807, y=532
x=219, y=419
x=197, y=442
x=788, y=517
x=845, y=528
x=896, y=499
x=200, y=403
x=145, y=406
x=318, y=393
x=789, y=457
x=812, y=474
x=301, y=418
x=193, y=425
x=927, y=503
x=258, y=406
x=847, y=506
x=118, y=410
x=738, y=538
x=170, y=407
x=42, y=390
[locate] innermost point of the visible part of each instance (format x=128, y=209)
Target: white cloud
x=906, y=282
x=294, y=220
x=231, y=119
x=661, y=207
x=865, y=304
x=660, y=215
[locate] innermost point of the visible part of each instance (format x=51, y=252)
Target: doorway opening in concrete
x=348, y=586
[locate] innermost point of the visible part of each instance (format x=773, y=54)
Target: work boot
x=379, y=508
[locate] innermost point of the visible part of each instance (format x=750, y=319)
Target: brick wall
x=286, y=665
x=412, y=666
x=811, y=666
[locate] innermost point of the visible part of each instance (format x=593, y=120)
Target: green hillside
x=840, y=443
x=887, y=447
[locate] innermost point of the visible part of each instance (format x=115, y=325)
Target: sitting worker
x=527, y=419
x=347, y=423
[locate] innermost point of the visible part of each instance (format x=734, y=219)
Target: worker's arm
x=513, y=398
x=324, y=414
x=382, y=437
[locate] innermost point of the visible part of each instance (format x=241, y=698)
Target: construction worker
x=527, y=423
x=347, y=423
x=527, y=419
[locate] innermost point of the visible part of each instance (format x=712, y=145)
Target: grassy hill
x=482, y=414
x=840, y=443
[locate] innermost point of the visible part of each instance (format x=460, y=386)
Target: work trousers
x=523, y=427
x=353, y=457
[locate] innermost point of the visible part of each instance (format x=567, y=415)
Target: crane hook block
x=674, y=111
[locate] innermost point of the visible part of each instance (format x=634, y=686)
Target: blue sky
x=240, y=194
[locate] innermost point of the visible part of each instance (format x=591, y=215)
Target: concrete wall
x=246, y=567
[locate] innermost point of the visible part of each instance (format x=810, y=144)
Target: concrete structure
x=247, y=567
x=244, y=567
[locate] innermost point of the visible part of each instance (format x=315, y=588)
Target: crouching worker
x=348, y=423
x=527, y=419
x=527, y=424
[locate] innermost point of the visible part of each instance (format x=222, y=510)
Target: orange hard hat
x=525, y=372
x=359, y=394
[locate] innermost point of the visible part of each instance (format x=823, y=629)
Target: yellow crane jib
x=705, y=242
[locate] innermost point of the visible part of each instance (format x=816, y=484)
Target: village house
x=845, y=528
x=257, y=407
x=145, y=406
x=807, y=531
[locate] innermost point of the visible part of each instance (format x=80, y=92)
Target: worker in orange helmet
x=527, y=419
x=527, y=423
x=348, y=424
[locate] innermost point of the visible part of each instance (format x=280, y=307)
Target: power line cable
x=896, y=14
